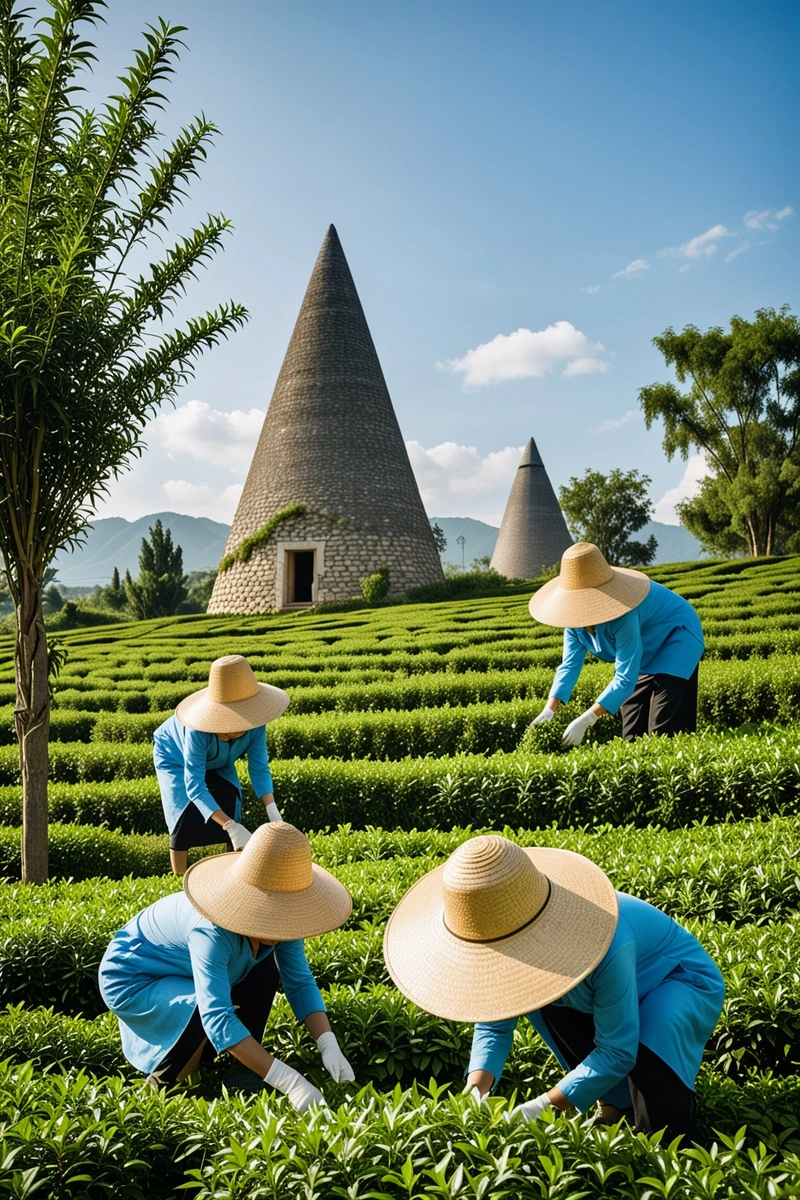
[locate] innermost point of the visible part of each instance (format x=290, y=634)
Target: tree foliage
x=439, y=539
x=742, y=412
x=606, y=510
x=86, y=352
x=161, y=585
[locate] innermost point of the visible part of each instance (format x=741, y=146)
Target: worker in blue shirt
x=195, y=974
x=652, y=635
x=195, y=752
x=624, y=996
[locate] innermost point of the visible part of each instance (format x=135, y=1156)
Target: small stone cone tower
x=533, y=534
x=330, y=496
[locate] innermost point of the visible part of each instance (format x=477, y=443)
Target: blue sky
x=578, y=176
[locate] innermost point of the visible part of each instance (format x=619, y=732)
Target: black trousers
x=660, y=1098
x=253, y=997
x=660, y=704
x=193, y=829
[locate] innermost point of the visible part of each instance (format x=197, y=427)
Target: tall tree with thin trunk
x=86, y=356
x=741, y=410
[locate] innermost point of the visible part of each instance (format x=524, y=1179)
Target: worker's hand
x=238, y=834
x=333, y=1060
x=273, y=811
x=475, y=1094
x=532, y=1109
x=544, y=716
x=573, y=734
x=294, y=1086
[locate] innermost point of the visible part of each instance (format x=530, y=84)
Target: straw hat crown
x=231, y=679
x=276, y=859
x=491, y=889
x=583, y=566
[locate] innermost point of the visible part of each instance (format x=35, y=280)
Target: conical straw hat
x=271, y=889
x=587, y=591
x=233, y=701
x=499, y=930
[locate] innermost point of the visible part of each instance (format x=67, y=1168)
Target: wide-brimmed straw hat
x=233, y=701
x=499, y=930
x=271, y=889
x=587, y=591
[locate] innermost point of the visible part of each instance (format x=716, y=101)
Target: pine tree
x=161, y=585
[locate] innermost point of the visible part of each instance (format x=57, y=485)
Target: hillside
x=114, y=542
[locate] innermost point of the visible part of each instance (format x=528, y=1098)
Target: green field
x=407, y=733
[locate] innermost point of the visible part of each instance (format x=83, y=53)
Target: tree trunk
x=32, y=721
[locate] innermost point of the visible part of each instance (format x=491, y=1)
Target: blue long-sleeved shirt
x=655, y=984
x=661, y=635
x=169, y=959
x=183, y=755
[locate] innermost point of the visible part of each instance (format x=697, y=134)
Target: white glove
x=237, y=833
x=573, y=734
x=272, y=811
x=544, y=716
x=295, y=1086
x=531, y=1110
x=333, y=1060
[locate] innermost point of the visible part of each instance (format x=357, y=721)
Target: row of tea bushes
x=714, y=777
x=65, y=1136
x=492, y=708
x=736, y=872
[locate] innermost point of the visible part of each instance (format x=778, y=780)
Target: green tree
x=113, y=596
x=742, y=411
x=439, y=540
x=606, y=510
x=161, y=585
x=86, y=349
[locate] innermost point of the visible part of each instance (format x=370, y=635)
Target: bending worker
x=195, y=974
x=195, y=752
x=624, y=996
x=652, y=635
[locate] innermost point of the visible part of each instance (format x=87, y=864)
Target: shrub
x=374, y=588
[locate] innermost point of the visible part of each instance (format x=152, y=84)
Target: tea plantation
x=406, y=734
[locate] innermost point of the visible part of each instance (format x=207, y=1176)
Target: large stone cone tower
x=330, y=496
x=533, y=534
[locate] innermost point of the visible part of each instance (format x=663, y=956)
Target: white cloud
x=526, y=354
x=702, y=246
x=768, y=218
x=594, y=287
x=612, y=423
x=695, y=471
x=455, y=480
x=634, y=270
x=221, y=439
x=740, y=249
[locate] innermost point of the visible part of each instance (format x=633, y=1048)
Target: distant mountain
x=114, y=542
x=675, y=544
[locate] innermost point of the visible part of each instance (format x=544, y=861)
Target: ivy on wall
x=246, y=547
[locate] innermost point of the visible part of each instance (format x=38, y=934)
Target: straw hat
x=499, y=930
x=588, y=591
x=233, y=701
x=271, y=889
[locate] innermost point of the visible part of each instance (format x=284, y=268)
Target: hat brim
x=491, y=981
x=553, y=604
x=198, y=711
x=214, y=888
